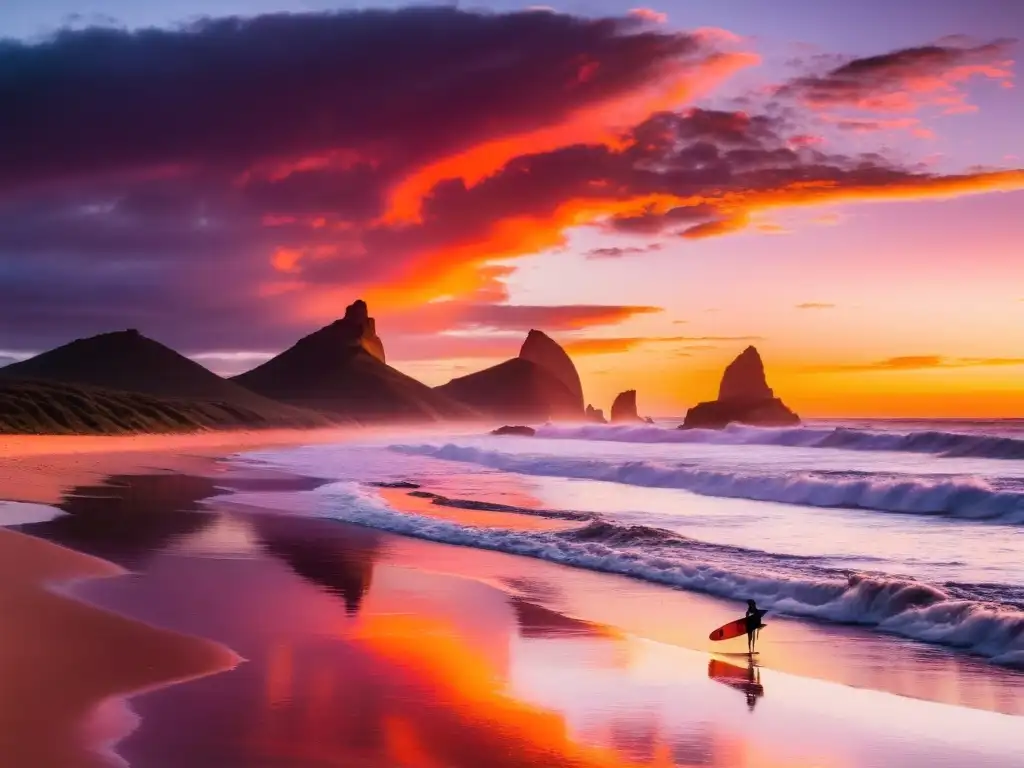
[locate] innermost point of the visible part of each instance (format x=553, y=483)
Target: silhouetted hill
x=516, y=389
x=128, y=362
x=541, y=349
x=340, y=369
x=540, y=384
x=52, y=408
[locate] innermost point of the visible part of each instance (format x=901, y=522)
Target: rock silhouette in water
x=595, y=415
x=517, y=429
x=744, y=378
x=744, y=397
x=624, y=407
x=541, y=349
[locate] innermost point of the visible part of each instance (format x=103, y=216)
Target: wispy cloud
x=616, y=345
x=615, y=252
x=924, y=362
x=815, y=305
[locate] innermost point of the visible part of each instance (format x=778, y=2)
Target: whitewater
x=911, y=528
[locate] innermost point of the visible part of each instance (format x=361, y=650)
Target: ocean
x=911, y=528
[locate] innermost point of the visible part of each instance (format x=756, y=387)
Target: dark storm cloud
x=228, y=93
x=210, y=184
x=147, y=178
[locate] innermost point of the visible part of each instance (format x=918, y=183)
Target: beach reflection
x=353, y=658
x=127, y=518
x=746, y=679
x=338, y=558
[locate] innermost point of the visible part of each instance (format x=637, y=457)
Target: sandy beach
x=66, y=666
x=363, y=648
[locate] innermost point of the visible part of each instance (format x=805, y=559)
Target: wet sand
x=65, y=666
x=367, y=649
x=359, y=656
x=849, y=655
x=41, y=468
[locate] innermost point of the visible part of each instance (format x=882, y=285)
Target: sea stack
x=624, y=408
x=744, y=397
x=538, y=385
x=595, y=415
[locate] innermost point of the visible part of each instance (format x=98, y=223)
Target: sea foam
x=896, y=605
x=964, y=497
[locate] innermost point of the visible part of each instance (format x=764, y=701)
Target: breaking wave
x=943, y=615
x=934, y=442
x=963, y=497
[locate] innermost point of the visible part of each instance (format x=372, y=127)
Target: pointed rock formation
x=744, y=379
x=744, y=397
x=541, y=349
x=595, y=415
x=516, y=390
x=359, y=329
x=624, y=407
x=538, y=385
x=340, y=369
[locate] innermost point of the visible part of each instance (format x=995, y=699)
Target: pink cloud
x=648, y=14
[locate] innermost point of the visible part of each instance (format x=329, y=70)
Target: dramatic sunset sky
x=840, y=183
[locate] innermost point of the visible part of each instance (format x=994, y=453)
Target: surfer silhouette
x=753, y=624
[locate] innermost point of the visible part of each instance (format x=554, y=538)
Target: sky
x=840, y=184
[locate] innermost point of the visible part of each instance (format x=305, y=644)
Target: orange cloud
x=604, y=123
x=730, y=223
x=924, y=362
x=736, y=206
x=815, y=305
x=617, y=345
x=770, y=228
x=454, y=271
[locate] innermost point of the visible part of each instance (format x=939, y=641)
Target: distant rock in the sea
x=541, y=349
x=531, y=387
x=515, y=430
x=624, y=408
x=744, y=397
x=595, y=415
x=744, y=378
x=340, y=369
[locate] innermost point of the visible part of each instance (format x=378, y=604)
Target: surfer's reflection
x=746, y=680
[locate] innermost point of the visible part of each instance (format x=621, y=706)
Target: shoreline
x=67, y=665
x=362, y=652
x=581, y=603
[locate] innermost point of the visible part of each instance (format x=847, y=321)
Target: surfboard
x=734, y=628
